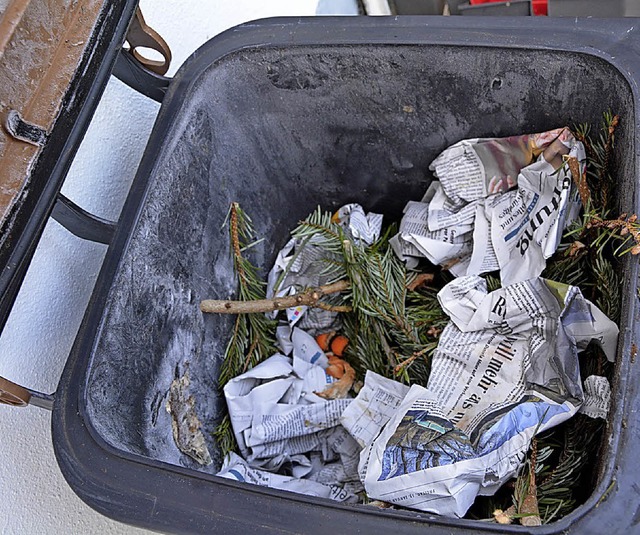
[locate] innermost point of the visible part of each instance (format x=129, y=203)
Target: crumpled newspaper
x=282, y=426
x=499, y=204
x=236, y=468
x=302, y=264
x=506, y=368
x=375, y=404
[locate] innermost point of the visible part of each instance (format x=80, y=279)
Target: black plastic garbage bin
x=282, y=115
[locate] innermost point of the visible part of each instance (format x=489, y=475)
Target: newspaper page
x=276, y=400
x=375, y=404
x=597, y=397
x=476, y=168
x=280, y=422
x=443, y=213
x=361, y=227
x=499, y=204
x=526, y=227
x=238, y=469
x=299, y=265
x=506, y=368
x=438, y=246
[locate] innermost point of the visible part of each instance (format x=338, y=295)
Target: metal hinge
x=143, y=74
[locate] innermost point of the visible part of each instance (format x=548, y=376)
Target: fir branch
x=224, y=437
x=400, y=368
x=609, y=126
x=525, y=494
x=252, y=336
x=569, y=269
x=608, y=289
x=379, y=287
x=580, y=180
x=625, y=228
x=599, y=150
x=588, y=258
x=234, y=356
x=424, y=311
x=577, y=447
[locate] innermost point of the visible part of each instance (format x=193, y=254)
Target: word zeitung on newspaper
x=500, y=204
x=506, y=368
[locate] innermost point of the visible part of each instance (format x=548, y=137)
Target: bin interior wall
x=282, y=131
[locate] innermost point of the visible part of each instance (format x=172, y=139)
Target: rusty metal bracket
x=20, y=129
x=142, y=36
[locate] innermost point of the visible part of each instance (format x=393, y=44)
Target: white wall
x=34, y=497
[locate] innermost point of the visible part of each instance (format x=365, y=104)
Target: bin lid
x=55, y=60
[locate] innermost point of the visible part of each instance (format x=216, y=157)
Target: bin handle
x=143, y=74
x=13, y=394
x=18, y=396
x=142, y=36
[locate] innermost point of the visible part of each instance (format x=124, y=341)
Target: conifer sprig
x=252, y=338
x=589, y=258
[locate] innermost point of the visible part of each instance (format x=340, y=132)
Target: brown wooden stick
x=310, y=298
x=579, y=180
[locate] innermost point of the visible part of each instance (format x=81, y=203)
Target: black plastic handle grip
x=129, y=70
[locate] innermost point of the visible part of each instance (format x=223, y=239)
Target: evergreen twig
x=252, y=338
x=588, y=258
x=525, y=495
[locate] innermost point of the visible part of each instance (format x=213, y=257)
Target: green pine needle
x=588, y=258
x=252, y=339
